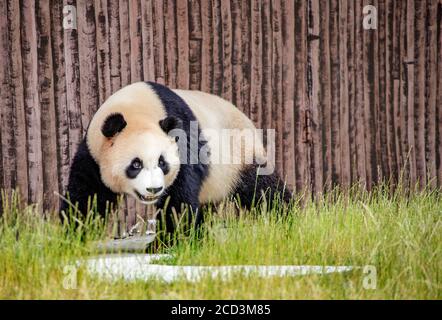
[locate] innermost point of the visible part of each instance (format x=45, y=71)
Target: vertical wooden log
x=217, y=45
x=268, y=106
x=183, y=45
x=206, y=47
x=31, y=100
x=405, y=147
x=302, y=117
x=256, y=66
x=396, y=63
x=226, y=27
x=383, y=87
x=314, y=97
x=288, y=94
x=194, y=64
x=419, y=91
x=245, y=55
x=369, y=104
x=352, y=107
x=389, y=90
x=114, y=45
x=61, y=111
x=102, y=30
x=335, y=93
x=158, y=37
x=6, y=107
x=277, y=86
x=431, y=90
x=344, y=127
x=72, y=85
x=396, y=75
x=89, y=97
x=136, y=62
x=236, y=54
x=5, y=101
x=170, y=35
x=48, y=120
x=375, y=109
x=389, y=96
x=195, y=19
x=396, y=126
x=147, y=37
x=325, y=93
x=410, y=61
x=7, y=151
x=195, y=39
x=125, y=44
x=360, y=103
x=439, y=93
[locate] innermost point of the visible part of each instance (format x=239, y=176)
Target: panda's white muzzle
x=149, y=185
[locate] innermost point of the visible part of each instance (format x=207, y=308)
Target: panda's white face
x=142, y=164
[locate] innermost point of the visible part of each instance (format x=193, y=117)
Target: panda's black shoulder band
x=113, y=124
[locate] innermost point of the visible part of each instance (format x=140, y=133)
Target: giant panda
x=129, y=149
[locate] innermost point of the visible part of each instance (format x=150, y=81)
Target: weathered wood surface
x=348, y=105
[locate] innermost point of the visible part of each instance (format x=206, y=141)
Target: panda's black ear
x=113, y=124
x=170, y=123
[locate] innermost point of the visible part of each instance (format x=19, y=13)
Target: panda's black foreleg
x=199, y=218
x=85, y=184
x=182, y=197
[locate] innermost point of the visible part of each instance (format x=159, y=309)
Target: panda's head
x=137, y=157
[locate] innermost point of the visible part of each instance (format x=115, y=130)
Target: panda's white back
x=215, y=113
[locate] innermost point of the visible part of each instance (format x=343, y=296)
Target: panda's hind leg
x=253, y=187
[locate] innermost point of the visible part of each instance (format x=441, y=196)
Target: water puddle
x=132, y=267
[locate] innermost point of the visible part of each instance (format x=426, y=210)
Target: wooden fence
x=348, y=104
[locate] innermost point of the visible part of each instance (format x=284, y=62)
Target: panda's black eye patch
x=163, y=165
x=134, y=168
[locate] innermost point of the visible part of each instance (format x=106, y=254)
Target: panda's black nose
x=154, y=190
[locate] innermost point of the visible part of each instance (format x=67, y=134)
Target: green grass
x=401, y=236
